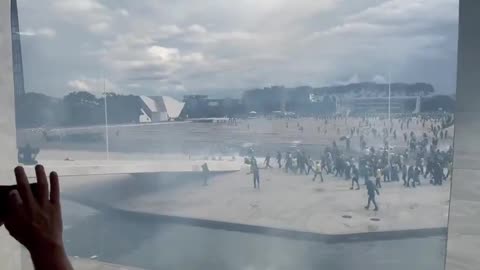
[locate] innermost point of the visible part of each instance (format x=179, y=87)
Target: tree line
x=82, y=108
x=79, y=108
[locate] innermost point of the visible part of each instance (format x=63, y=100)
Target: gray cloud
x=157, y=46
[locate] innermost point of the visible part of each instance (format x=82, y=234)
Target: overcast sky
x=192, y=46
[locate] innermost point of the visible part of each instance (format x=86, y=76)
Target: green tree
x=38, y=110
x=82, y=108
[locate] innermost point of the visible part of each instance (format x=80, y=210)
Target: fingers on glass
x=54, y=188
x=24, y=188
x=42, y=184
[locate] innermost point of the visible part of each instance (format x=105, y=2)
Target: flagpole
x=389, y=122
x=107, y=146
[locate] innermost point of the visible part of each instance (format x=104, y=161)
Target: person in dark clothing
x=371, y=190
x=355, y=176
x=255, y=172
x=394, y=172
x=435, y=141
x=363, y=144
x=429, y=168
x=335, y=147
x=386, y=174
x=279, y=159
x=404, y=174
x=288, y=162
x=267, y=161
x=300, y=163
x=413, y=145
x=338, y=166
x=410, y=175
x=416, y=176
x=205, y=173
x=437, y=174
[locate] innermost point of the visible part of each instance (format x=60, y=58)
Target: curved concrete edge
x=263, y=230
x=87, y=264
x=118, y=167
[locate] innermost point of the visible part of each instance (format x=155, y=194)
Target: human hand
x=36, y=222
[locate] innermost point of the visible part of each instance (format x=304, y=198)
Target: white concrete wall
x=159, y=117
x=464, y=220
x=7, y=110
x=174, y=107
x=9, y=249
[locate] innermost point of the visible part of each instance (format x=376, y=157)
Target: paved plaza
x=284, y=201
x=295, y=202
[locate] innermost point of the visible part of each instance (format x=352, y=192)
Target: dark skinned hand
x=36, y=222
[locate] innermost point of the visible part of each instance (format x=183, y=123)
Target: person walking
x=371, y=191
x=378, y=177
x=205, y=173
x=318, y=171
x=310, y=165
x=404, y=174
x=410, y=175
x=355, y=176
x=256, y=173
x=437, y=174
x=279, y=159
x=288, y=162
x=416, y=176
x=267, y=161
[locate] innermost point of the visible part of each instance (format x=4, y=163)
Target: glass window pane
x=242, y=135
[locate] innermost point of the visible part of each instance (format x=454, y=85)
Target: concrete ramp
x=107, y=167
x=86, y=264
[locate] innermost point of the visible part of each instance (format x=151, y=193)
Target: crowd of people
x=421, y=159
x=34, y=218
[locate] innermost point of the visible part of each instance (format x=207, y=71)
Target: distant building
x=195, y=106
x=200, y=106
x=18, y=83
x=160, y=108
x=357, y=97
x=409, y=104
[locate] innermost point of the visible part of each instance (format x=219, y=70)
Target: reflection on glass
x=272, y=135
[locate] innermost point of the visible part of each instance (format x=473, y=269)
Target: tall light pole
x=390, y=123
x=107, y=146
x=389, y=95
